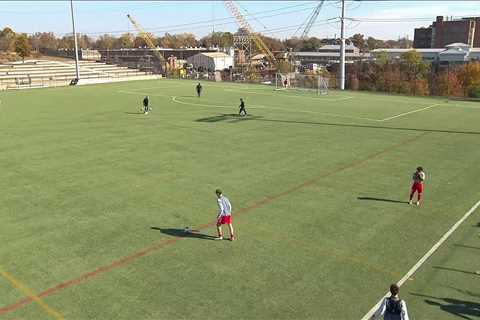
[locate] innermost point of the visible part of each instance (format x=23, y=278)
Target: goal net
x=296, y=81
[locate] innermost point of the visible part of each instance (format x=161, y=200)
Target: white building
x=329, y=54
x=452, y=53
x=211, y=61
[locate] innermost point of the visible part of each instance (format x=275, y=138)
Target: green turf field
x=94, y=196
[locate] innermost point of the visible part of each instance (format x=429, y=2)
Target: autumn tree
x=7, y=39
x=416, y=70
x=469, y=75
x=22, y=47
x=217, y=39
x=105, y=41
x=126, y=40
x=358, y=41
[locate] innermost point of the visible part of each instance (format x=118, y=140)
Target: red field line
x=164, y=243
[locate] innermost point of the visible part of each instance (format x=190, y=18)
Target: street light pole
x=342, y=49
x=77, y=71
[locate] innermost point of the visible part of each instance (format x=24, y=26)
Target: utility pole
x=213, y=17
x=342, y=48
x=77, y=71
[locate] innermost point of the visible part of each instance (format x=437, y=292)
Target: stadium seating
x=46, y=73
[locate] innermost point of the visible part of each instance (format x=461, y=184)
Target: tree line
x=48, y=40
x=411, y=75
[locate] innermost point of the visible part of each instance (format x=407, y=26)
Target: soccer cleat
x=410, y=202
x=232, y=238
x=219, y=238
x=418, y=203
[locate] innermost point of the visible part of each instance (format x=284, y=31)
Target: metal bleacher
x=50, y=73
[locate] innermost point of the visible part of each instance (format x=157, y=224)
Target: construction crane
x=243, y=23
x=148, y=40
x=311, y=20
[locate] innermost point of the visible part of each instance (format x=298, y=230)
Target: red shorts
x=418, y=187
x=224, y=220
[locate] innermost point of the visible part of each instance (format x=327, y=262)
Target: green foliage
x=22, y=46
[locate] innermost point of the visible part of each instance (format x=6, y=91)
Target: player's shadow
x=465, y=246
x=381, y=199
x=181, y=233
x=454, y=270
x=461, y=308
x=228, y=117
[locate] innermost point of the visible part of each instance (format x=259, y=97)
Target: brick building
x=443, y=32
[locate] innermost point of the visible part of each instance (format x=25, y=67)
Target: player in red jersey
x=417, y=186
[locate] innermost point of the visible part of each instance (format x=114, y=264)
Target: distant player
x=145, y=105
x=224, y=215
x=199, y=89
x=285, y=83
x=417, y=186
x=242, y=108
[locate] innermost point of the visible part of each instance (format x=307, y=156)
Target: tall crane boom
x=243, y=23
x=146, y=38
x=312, y=20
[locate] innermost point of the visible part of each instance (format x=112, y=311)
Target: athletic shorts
x=418, y=187
x=224, y=220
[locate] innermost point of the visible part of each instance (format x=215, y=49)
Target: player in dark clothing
x=145, y=105
x=242, y=108
x=199, y=89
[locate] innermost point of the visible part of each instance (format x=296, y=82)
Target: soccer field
x=95, y=196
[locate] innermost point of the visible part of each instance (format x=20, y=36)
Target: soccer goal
x=296, y=81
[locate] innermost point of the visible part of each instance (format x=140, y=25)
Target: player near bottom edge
x=199, y=89
x=417, y=186
x=224, y=215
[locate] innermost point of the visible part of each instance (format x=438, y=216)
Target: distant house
x=211, y=61
x=452, y=53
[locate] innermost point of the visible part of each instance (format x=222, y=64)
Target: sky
x=281, y=19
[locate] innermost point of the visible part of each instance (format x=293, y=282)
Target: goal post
x=296, y=81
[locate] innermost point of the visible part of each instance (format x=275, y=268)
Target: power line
x=188, y=26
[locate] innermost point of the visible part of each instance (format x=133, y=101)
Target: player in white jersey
x=417, y=186
x=224, y=215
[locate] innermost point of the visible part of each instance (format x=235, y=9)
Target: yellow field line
x=29, y=293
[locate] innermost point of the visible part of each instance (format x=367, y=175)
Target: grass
x=94, y=195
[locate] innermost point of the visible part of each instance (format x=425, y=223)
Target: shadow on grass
x=461, y=308
x=352, y=125
x=230, y=118
x=381, y=199
x=455, y=270
x=134, y=112
x=181, y=233
x=465, y=246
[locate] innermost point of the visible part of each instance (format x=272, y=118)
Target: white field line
x=410, y=112
x=427, y=255
x=174, y=99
